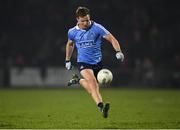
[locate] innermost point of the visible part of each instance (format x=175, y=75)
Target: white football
x=104, y=76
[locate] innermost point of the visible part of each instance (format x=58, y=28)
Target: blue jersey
x=88, y=42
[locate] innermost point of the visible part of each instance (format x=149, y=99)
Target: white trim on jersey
x=77, y=27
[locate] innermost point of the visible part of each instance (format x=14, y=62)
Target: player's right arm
x=69, y=51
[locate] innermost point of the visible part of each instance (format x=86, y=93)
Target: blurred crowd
x=34, y=33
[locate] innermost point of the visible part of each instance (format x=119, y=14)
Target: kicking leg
x=90, y=84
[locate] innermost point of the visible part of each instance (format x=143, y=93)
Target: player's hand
x=120, y=56
x=68, y=65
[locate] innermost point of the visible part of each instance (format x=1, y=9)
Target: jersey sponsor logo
x=85, y=44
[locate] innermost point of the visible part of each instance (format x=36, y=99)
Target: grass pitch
x=74, y=108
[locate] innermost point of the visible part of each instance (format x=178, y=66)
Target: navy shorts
x=95, y=67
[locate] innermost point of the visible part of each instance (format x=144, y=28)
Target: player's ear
x=77, y=19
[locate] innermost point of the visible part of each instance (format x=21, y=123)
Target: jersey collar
x=91, y=23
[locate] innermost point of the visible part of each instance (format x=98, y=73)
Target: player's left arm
x=110, y=38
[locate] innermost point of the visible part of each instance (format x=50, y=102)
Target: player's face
x=84, y=22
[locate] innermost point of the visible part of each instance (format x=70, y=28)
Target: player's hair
x=82, y=11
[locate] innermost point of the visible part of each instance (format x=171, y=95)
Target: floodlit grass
x=74, y=108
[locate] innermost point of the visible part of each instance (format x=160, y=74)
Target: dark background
x=33, y=33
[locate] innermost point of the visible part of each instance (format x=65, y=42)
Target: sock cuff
x=100, y=104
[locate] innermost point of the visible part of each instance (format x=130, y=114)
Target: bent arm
x=69, y=49
x=110, y=38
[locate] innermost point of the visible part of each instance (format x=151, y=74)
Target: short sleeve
x=70, y=35
x=102, y=31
